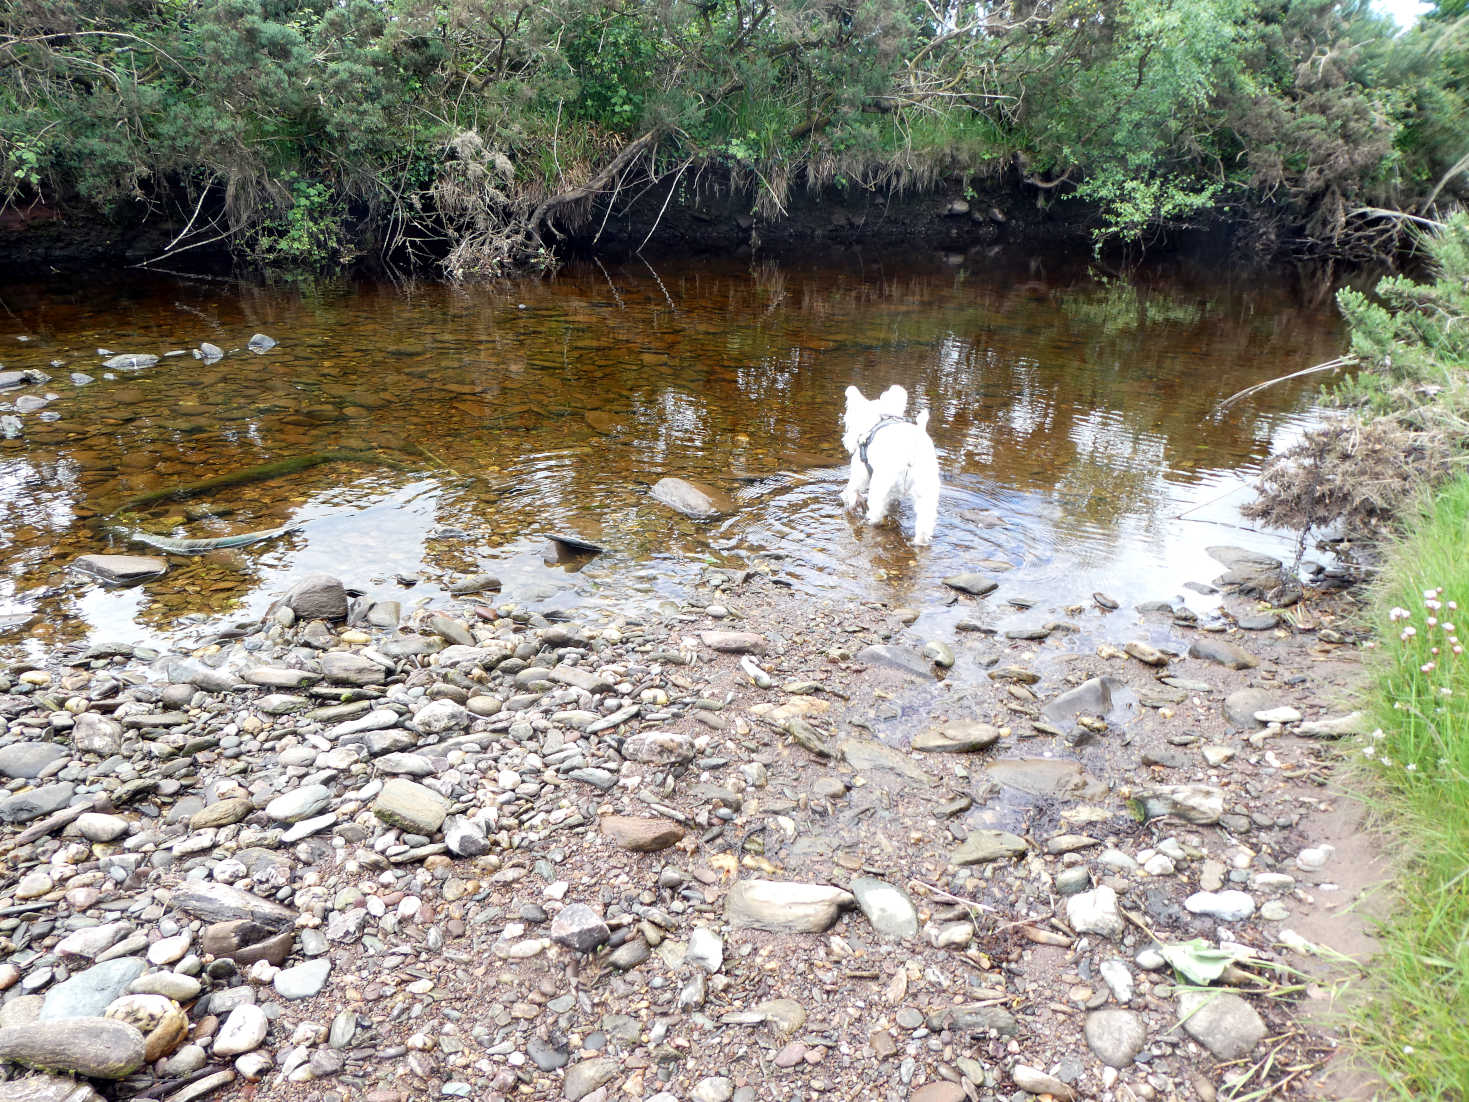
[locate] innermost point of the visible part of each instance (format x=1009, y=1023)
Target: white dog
x=891, y=458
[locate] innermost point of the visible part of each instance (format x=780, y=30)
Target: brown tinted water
x=1073, y=414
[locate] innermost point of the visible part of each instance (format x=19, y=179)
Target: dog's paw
x=849, y=499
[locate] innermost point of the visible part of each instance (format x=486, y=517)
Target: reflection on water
x=1073, y=418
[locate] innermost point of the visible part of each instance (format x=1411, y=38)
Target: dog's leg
x=856, y=483
x=925, y=517
x=879, y=496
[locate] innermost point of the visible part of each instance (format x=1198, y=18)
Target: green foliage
x=1413, y=1014
x=1412, y=337
x=1153, y=111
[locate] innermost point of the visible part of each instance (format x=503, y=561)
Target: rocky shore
x=754, y=847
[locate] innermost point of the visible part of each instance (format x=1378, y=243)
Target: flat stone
x=1226, y=906
x=959, y=737
x=734, y=642
x=26, y=760
x=1223, y=1023
x=1107, y=698
x=1222, y=652
x=988, y=845
x=1241, y=705
x=88, y=993
x=97, y=1047
x=785, y=906
x=349, y=668
x=641, y=835
x=903, y=659
x=886, y=907
x=1115, y=1036
x=1054, y=778
x=304, y=980
x=245, y=941
x=216, y=902
x=242, y=1031
x=47, y=1088
x=1034, y=1081
x=586, y=1076
x=867, y=755
x=121, y=569
x=1283, y=714
x=410, y=806
x=46, y=800
x=976, y=585
x=939, y=1091
x=229, y=810
x=300, y=803
x=1146, y=654
x=280, y=677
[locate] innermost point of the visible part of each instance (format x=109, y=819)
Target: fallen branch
x=1329, y=365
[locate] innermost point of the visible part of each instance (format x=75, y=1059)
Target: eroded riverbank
x=484, y=853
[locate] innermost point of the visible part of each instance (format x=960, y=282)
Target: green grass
x=1414, y=1027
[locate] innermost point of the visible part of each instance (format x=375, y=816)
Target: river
x=1074, y=413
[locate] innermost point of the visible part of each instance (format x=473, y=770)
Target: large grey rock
x=27, y=759
x=216, y=902
x=243, y=1031
x=962, y=736
x=261, y=344
x=438, y=717
x=1241, y=705
x=96, y=734
x=641, y=835
x=1095, y=912
x=25, y=806
x=1225, y=1024
x=465, y=837
x=1115, y=1036
x=121, y=569
x=734, y=642
x=97, y=1047
x=348, y=668
x=785, y=906
x=410, y=806
x=47, y=1088
x=299, y=803
x=888, y=908
x=87, y=993
x=1222, y=652
x=699, y=502
x=317, y=597
x=579, y=927
x=304, y=980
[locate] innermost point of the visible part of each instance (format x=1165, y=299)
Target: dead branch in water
x=1329, y=365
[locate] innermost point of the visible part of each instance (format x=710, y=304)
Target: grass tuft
x=1414, y=1027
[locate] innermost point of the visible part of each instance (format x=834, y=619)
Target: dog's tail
x=922, y=421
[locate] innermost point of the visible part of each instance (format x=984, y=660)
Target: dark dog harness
x=866, y=440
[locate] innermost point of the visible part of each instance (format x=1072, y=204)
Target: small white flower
x=1368, y=751
x=1397, y=613
x=1408, y=633
x=1411, y=767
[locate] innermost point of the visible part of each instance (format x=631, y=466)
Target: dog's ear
x=853, y=396
x=893, y=401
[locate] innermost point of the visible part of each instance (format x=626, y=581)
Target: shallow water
x=1074, y=415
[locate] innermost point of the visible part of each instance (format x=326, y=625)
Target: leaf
x=1199, y=962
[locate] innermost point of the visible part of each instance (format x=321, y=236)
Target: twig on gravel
x=940, y=893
